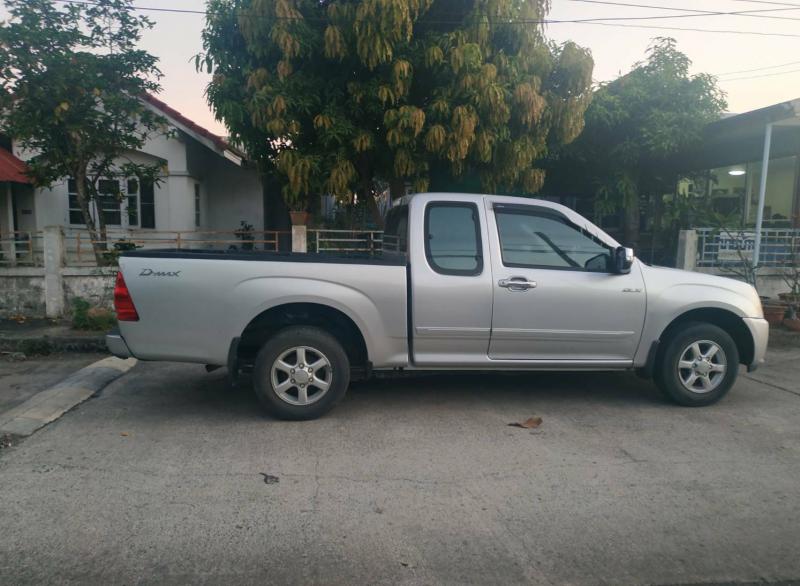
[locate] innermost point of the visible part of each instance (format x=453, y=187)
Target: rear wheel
x=698, y=366
x=301, y=373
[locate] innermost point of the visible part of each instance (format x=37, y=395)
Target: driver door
x=555, y=297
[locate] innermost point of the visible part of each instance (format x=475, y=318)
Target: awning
x=12, y=169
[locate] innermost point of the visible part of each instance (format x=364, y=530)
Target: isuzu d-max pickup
x=464, y=282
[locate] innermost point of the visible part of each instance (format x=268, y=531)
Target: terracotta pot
x=792, y=324
x=774, y=314
x=299, y=218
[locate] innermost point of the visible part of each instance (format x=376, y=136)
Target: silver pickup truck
x=465, y=282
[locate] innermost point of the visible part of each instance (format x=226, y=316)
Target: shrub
x=86, y=317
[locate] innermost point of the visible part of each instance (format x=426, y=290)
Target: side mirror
x=623, y=260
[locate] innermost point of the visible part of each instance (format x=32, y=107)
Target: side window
x=541, y=240
x=453, y=238
x=395, y=236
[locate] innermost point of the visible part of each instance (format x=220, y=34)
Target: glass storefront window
x=734, y=190
x=728, y=188
x=779, y=200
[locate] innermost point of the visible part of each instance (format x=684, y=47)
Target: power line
x=505, y=21
x=758, y=69
x=769, y=2
x=758, y=76
x=697, y=30
x=688, y=12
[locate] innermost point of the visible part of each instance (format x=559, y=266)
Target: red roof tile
x=171, y=112
x=12, y=169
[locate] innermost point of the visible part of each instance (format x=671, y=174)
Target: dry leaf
x=124, y=434
x=530, y=423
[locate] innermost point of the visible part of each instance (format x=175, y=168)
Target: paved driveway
x=160, y=479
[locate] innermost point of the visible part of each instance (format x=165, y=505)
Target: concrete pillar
x=686, y=258
x=762, y=193
x=54, y=254
x=7, y=228
x=299, y=239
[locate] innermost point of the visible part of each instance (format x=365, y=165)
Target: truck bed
x=192, y=308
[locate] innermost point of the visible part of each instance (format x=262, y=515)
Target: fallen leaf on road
x=529, y=423
x=269, y=479
x=124, y=434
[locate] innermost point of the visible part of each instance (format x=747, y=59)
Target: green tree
x=337, y=94
x=635, y=126
x=70, y=85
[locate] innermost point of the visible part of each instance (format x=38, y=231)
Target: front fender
x=668, y=303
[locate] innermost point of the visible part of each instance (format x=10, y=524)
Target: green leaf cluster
x=635, y=127
x=338, y=93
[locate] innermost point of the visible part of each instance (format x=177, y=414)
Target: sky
x=175, y=39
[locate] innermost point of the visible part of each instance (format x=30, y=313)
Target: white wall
x=229, y=193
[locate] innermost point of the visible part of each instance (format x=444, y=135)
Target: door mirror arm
x=623, y=260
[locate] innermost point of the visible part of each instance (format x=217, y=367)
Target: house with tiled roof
x=206, y=184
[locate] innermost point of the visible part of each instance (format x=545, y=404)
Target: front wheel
x=698, y=366
x=301, y=373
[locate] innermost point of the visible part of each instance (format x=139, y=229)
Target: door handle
x=517, y=284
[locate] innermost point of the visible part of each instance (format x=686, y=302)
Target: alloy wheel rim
x=301, y=375
x=702, y=366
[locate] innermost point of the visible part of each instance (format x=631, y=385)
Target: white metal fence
x=780, y=247
x=345, y=240
x=27, y=248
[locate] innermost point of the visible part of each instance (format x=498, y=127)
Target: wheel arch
x=722, y=318
x=325, y=317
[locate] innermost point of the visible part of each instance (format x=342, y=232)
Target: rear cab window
x=395, y=234
x=453, y=238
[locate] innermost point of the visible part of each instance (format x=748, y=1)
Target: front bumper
x=116, y=345
x=759, y=329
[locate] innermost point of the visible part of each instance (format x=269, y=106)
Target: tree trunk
x=631, y=221
x=366, y=190
x=397, y=188
x=374, y=211
x=276, y=214
x=82, y=195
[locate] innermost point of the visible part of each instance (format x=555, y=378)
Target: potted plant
x=299, y=217
x=791, y=321
x=297, y=209
x=774, y=312
x=245, y=234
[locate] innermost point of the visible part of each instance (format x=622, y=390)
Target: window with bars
x=139, y=199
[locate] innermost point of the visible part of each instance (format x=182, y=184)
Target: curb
x=54, y=343
x=50, y=404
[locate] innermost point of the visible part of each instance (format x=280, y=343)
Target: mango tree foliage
x=335, y=94
x=71, y=78
x=635, y=126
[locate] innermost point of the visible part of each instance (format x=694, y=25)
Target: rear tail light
x=123, y=303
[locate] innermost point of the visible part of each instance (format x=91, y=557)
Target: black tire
x=318, y=343
x=669, y=379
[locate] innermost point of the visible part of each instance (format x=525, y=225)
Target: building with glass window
x=736, y=151
x=748, y=169
x=205, y=184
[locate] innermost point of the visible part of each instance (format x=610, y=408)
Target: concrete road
x=160, y=480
